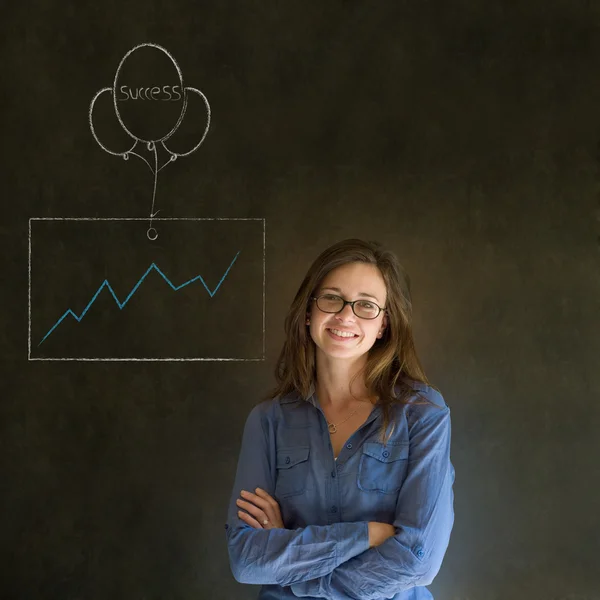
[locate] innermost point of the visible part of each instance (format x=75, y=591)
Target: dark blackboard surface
x=464, y=136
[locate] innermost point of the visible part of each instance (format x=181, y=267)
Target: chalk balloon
x=150, y=101
x=148, y=93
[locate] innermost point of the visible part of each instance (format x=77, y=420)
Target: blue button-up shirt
x=326, y=504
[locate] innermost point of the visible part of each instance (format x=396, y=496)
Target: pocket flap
x=386, y=454
x=288, y=457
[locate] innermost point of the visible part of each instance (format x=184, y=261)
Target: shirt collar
x=310, y=397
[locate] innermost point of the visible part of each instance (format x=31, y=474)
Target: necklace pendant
x=332, y=428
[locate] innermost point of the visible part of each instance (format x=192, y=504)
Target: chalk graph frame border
x=173, y=359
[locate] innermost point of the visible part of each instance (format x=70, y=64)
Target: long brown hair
x=392, y=357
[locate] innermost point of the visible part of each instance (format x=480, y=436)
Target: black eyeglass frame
x=351, y=303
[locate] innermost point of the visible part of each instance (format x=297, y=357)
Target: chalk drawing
x=152, y=267
x=148, y=94
x=106, y=284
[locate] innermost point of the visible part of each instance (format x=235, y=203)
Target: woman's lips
x=339, y=338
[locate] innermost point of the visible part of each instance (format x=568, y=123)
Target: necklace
x=333, y=428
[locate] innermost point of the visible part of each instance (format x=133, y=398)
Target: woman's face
x=352, y=281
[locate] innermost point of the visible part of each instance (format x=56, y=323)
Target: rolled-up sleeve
x=423, y=522
x=281, y=556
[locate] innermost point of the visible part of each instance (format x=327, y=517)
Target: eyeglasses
x=364, y=309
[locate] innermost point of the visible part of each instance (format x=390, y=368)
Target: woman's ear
x=384, y=321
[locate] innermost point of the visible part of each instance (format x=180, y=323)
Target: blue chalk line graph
x=120, y=304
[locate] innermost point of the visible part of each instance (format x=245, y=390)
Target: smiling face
x=352, y=281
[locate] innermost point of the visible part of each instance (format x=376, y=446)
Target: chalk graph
x=198, y=297
x=121, y=305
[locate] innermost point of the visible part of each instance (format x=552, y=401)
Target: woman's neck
x=333, y=384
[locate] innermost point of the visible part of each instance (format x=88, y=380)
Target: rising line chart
x=106, y=284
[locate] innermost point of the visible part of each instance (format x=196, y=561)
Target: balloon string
x=155, y=179
x=172, y=155
x=135, y=154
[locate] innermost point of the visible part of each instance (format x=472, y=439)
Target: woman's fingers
x=258, y=500
x=256, y=506
x=251, y=508
x=273, y=511
x=248, y=519
x=261, y=505
x=268, y=498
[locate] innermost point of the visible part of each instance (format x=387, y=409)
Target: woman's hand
x=261, y=506
x=379, y=532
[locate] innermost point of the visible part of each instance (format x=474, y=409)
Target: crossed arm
x=423, y=521
x=336, y=561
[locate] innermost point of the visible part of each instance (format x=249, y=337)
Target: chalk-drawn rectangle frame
x=81, y=359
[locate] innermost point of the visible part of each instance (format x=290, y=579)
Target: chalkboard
x=170, y=171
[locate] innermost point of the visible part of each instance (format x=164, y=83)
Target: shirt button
x=334, y=509
x=348, y=446
x=333, y=473
x=419, y=552
x=385, y=453
x=287, y=460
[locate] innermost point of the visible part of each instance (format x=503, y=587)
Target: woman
x=327, y=503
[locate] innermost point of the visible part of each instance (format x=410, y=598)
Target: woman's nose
x=346, y=312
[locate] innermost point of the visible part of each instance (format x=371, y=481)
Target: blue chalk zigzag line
x=122, y=304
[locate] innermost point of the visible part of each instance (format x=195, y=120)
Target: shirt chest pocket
x=382, y=468
x=292, y=470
